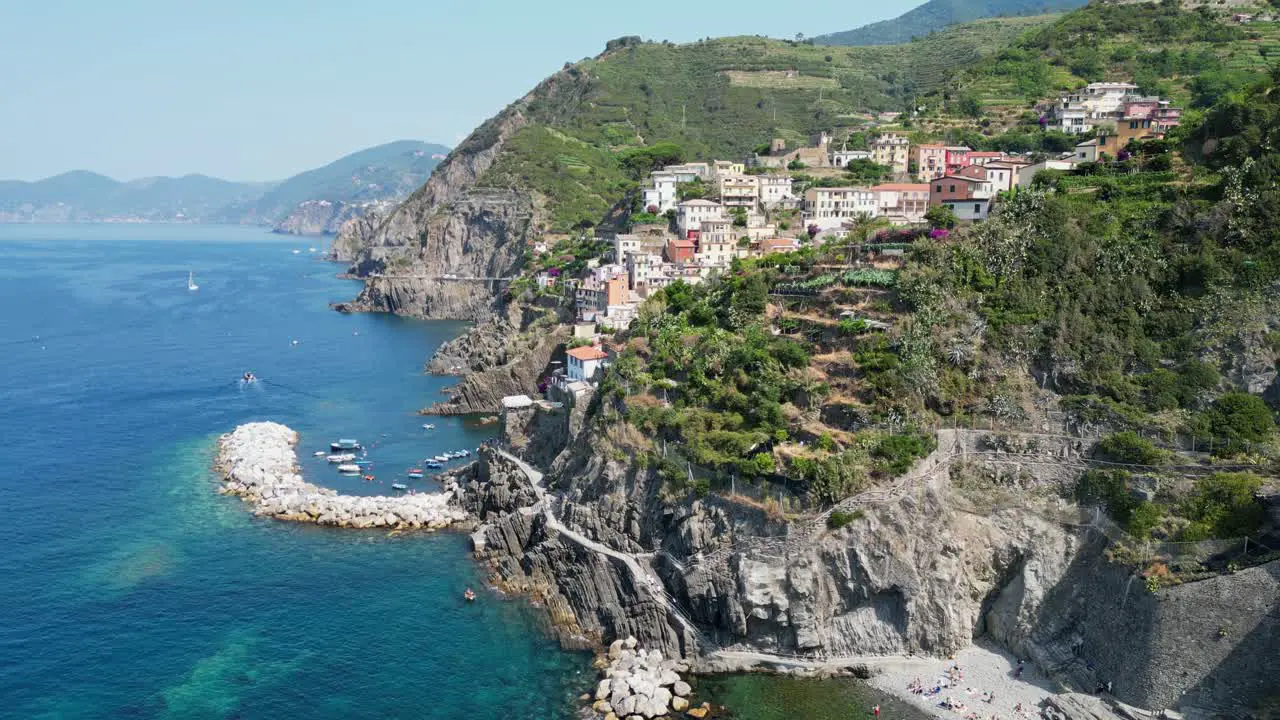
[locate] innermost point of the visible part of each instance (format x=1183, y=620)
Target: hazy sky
x=261, y=89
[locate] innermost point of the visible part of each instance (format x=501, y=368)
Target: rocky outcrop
x=503, y=355
x=257, y=463
x=324, y=217
x=354, y=233
x=448, y=227
x=975, y=544
x=639, y=683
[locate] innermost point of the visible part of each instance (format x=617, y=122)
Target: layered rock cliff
x=503, y=355
x=964, y=547
x=448, y=227
x=323, y=217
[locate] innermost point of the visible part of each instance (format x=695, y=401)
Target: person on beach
x=876, y=710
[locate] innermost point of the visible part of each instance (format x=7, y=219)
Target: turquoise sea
x=130, y=589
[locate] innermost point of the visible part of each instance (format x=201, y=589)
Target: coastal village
x=696, y=218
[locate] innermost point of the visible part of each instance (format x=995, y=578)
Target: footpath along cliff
x=968, y=544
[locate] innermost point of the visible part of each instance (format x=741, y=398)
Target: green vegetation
x=1191, y=56
x=937, y=15
x=1219, y=506
x=583, y=180
x=839, y=519
x=1130, y=448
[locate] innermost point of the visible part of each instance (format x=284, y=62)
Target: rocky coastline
x=257, y=462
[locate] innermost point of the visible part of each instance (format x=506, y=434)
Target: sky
x=263, y=89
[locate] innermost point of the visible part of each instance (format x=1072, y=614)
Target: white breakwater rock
x=640, y=684
x=258, y=463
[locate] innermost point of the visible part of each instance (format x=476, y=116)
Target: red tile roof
x=907, y=187
x=587, y=353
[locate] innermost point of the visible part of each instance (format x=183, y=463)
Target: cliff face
x=959, y=550
x=503, y=355
x=322, y=217
x=447, y=227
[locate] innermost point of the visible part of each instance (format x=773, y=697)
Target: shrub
x=1131, y=448
x=1222, y=506
x=701, y=487
x=1235, y=421
x=839, y=519
x=899, y=452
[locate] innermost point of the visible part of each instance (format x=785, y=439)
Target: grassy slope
x=1166, y=50
x=938, y=14
x=716, y=98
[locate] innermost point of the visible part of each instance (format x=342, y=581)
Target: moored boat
x=345, y=444
x=415, y=472
x=441, y=458
x=399, y=486
x=341, y=457
x=433, y=464
x=349, y=469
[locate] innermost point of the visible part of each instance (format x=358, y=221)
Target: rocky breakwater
x=640, y=683
x=257, y=462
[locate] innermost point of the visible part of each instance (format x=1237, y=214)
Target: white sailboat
x=191, y=282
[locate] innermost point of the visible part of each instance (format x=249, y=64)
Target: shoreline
x=257, y=463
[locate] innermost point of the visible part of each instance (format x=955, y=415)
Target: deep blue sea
x=130, y=589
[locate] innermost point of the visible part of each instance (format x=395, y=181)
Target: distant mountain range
x=319, y=198
x=938, y=14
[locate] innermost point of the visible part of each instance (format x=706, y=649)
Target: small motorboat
x=470, y=595
x=349, y=469
x=399, y=486
x=368, y=478
x=248, y=377
x=441, y=458
x=341, y=458
x=433, y=464
x=345, y=444
x=319, y=453
x=297, y=252
x=428, y=426
x=464, y=453
x=415, y=472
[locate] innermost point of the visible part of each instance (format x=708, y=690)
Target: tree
x=940, y=216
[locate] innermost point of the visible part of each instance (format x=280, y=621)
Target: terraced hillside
x=717, y=97
x=1192, y=56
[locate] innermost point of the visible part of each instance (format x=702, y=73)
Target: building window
x=939, y=188
x=977, y=208
x=952, y=189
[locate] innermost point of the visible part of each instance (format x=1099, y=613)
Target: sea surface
x=130, y=589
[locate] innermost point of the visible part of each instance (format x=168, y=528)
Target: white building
x=1027, y=173
x=642, y=268
x=661, y=193
x=1002, y=175
x=841, y=158
x=691, y=213
x=687, y=172
x=829, y=208
x=582, y=363
x=774, y=189
x=739, y=191
x=976, y=208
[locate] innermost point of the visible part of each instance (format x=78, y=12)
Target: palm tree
x=860, y=227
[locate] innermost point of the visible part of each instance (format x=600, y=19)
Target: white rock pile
x=257, y=462
x=640, y=684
